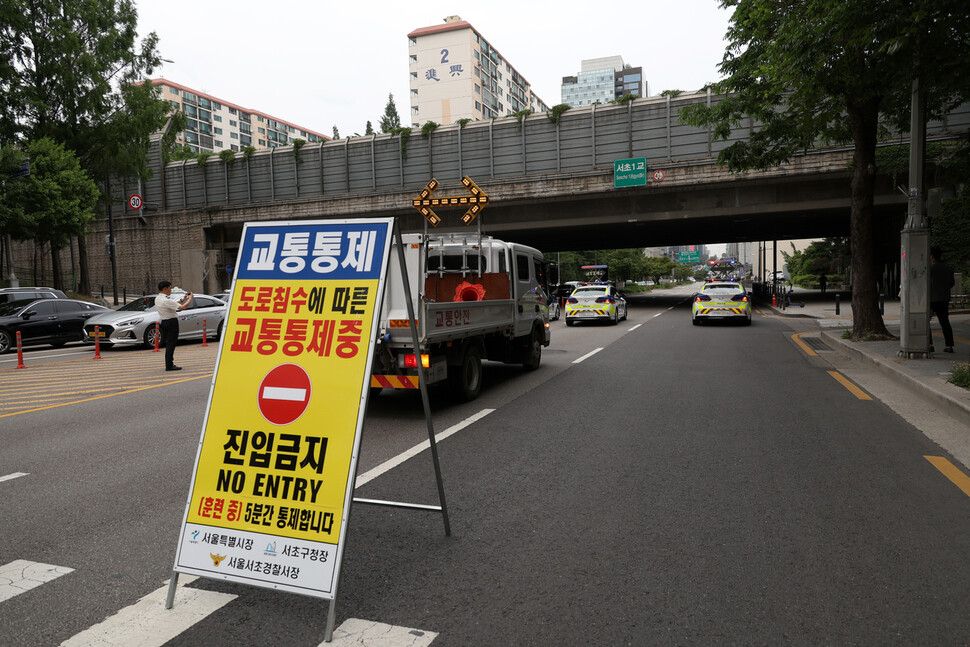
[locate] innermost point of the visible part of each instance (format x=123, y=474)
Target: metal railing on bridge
x=583, y=140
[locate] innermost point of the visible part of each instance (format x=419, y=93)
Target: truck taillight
x=411, y=361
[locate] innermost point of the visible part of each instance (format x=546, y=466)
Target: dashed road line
x=391, y=463
x=848, y=384
x=950, y=471
x=15, y=475
x=587, y=356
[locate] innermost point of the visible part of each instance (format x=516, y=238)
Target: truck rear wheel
x=465, y=380
x=534, y=353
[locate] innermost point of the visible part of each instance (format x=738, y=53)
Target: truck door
x=530, y=304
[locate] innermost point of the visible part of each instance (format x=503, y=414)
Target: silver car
x=134, y=322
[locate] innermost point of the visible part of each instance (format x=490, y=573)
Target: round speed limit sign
x=658, y=175
x=134, y=201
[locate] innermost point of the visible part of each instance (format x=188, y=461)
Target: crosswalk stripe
x=364, y=632
x=147, y=623
x=21, y=575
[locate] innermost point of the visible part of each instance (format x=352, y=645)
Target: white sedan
x=134, y=322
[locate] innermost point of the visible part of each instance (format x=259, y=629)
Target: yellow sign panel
x=274, y=472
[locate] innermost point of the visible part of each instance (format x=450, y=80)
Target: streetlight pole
x=112, y=247
x=914, y=315
x=111, y=242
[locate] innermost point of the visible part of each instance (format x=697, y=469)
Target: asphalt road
x=680, y=486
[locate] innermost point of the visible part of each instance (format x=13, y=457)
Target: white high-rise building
x=216, y=125
x=457, y=74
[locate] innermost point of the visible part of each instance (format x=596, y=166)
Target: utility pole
x=914, y=314
x=112, y=251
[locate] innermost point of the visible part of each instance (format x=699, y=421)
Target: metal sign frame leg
x=425, y=401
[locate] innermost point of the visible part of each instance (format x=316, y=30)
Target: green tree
x=812, y=71
x=11, y=211
x=658, y=266
x=682, y=271
x=391, y=120
x=336, y=133
x=58, y=199
x=624, y=264
x=370, y=128
x=70, y=71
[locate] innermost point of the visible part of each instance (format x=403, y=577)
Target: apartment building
x=457, y=74
x=216, y=125
x=602, y=80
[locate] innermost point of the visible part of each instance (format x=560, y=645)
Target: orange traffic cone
x=774, y=300
x=20, y=352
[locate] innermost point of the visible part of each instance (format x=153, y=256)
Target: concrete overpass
x=550, y=185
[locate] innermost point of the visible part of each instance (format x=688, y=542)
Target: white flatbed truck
x=474, y=298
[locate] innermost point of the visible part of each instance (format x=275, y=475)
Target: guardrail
x=582, y=140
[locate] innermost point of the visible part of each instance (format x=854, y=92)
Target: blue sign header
x=340, y=250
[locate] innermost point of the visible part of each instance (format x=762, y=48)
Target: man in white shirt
x=168, y=308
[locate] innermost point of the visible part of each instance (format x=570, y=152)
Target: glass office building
x=602, y=80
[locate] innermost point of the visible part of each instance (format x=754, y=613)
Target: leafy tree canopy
x=11, y=211
x=836, y=71
x=57, y=198
x=69, y=71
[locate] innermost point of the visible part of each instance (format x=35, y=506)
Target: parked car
x=595, y=301
x=44, y=321
x=20, y=294
x=554, y=309
x=721, y=301
x=134, y=322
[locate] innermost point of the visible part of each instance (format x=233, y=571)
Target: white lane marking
x=10, y=477
x=363, y=632
x=587, y=356
x=390, y=464
x=22, y=575
x=284, y=393
x=634, y=328
x=147, y=623
x=657, y=315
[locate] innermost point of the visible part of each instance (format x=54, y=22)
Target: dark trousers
x=942, y=311
x=168, y=330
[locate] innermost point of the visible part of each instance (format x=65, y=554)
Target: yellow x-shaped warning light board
x=476, y=201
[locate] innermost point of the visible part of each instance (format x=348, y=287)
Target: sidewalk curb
x=935, y=390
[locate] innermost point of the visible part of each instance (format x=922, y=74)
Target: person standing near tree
x=941, y=282
x=822, y=281
x=168, y=308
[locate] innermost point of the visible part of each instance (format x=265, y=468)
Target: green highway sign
x=630, y=172
x=690, y=257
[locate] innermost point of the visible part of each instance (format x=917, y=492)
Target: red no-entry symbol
x=284, y=394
